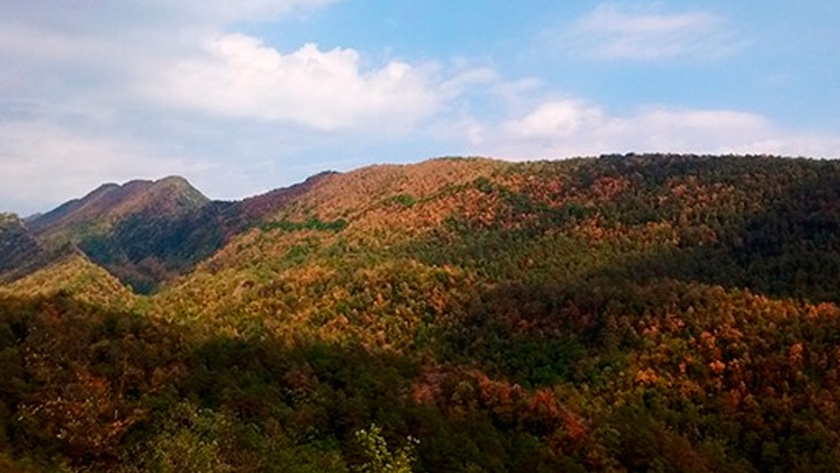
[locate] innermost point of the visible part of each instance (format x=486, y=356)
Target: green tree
x=380, y=458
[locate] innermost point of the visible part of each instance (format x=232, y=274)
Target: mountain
x=621, y=313
x=110, y=203
x=143, y=232
x=95, y=226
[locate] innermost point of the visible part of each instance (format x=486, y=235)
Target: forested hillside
x=624, y=313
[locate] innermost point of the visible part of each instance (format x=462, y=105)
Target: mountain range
x=620, y=313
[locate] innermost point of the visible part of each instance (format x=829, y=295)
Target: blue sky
x=242, y=97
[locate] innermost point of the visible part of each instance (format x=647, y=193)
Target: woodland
x=625, y=313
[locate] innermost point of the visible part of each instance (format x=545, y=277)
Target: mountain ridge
x=112, y=201
x=144, y=232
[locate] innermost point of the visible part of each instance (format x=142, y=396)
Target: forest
x=625, y=313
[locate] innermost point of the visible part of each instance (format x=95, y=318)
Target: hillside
x=624, y=313
x=73, y=274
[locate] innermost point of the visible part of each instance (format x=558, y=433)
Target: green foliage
x=404, y=200
x=313, y=223
x=380, y=459
x=189, y=441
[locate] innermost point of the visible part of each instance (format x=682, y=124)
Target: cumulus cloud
x=570, y=127
x=613, y=31
x=555, y=119
x=239, y=76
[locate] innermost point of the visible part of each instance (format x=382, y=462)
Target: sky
x=243, y=97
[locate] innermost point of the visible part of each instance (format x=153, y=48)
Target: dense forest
x=621, y=313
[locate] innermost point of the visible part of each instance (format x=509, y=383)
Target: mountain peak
x=178, y=180
x=171, y=194
x=112, y=202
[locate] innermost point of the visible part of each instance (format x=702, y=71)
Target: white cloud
x=565, y=128
x=611, y=32
x=239, y=76
x=555, y=119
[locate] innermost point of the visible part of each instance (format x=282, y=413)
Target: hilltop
x=621, y=313
x=110, y=203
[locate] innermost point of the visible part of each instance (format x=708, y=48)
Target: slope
x=72, y=274
x=764, y=223
x=639, y=281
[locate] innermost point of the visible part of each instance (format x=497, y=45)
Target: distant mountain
x=143, y=232
x=109, y=204
x=95, y=225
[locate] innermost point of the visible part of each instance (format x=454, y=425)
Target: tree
x=380, y=458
